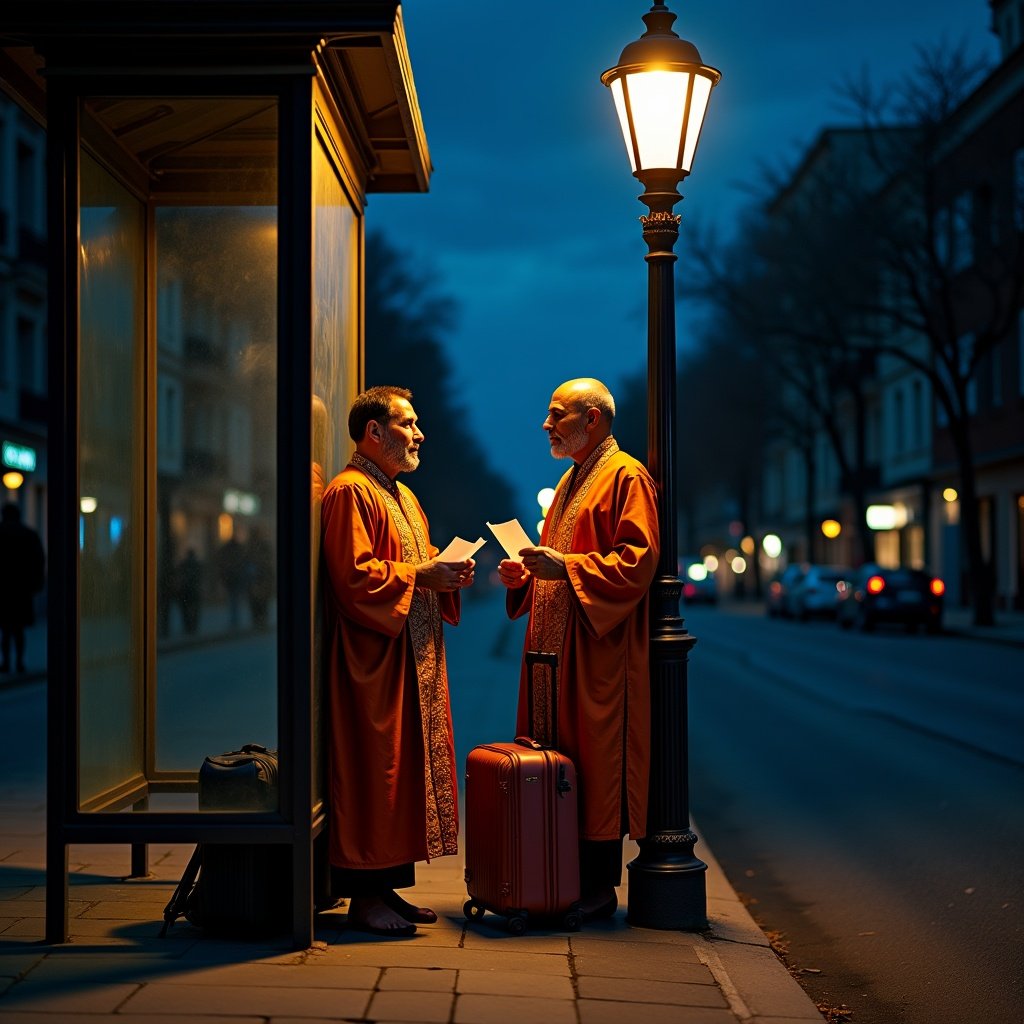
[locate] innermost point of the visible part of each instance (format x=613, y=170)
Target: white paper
x=512, y=537
x=459, y=550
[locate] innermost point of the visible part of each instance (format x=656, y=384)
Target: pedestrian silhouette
x=231, y=566
x=189, y=587
x=260, y=571
x=22, y=565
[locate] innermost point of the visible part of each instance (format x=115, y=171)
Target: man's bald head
x=587, y=393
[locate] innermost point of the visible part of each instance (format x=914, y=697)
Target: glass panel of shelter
x=178, y=355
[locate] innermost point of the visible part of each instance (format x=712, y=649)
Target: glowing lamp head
x=661, y=89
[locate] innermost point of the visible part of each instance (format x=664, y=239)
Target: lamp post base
x=667, y=887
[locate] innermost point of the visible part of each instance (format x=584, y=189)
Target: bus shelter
x=208, y=166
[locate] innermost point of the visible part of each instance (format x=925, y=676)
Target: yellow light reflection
x=831, y=528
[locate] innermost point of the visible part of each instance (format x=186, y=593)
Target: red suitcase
x=522, y=832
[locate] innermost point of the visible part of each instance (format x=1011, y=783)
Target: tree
x=407, y=316
x=874, y=253
x=951, y=269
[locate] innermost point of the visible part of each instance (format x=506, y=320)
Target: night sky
x=531, y=222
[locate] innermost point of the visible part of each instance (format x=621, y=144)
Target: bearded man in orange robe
x=392, y=791
x=586, y=590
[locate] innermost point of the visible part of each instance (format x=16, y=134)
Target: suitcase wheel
x=517, y=924
x=473, y=910
x=573, y=921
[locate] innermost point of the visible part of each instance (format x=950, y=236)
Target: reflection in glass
x=215, y=518
x=335, y=367
x=111, y=332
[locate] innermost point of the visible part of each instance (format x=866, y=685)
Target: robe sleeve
x=518, y=600
x=375, y=592
x=609, y=585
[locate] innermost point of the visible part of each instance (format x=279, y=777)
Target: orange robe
x=392, y=787
x=598, y=625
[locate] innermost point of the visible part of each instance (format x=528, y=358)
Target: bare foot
x=371, y=914
x=415, y=915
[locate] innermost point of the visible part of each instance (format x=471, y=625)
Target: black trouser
x=349, y=882
x=600, y=865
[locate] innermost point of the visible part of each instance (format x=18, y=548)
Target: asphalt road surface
x=866, y=793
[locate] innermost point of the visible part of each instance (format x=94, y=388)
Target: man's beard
x=571, y=443
x=396, y=453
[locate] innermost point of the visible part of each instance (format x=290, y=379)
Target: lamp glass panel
x=658, y=102
x=620, y=107
x=698, y=108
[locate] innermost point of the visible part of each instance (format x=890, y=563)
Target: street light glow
x=772, y=545
x=950, y=494
x=831, y=528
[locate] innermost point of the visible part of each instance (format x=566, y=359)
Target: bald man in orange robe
x=586, y=590
x=392, y=790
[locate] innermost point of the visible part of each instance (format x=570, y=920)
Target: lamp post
x=661, y=91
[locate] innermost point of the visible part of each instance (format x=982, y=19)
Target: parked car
x=779, y=586
x=699, y=585
x=816, y=593
x=911, y=597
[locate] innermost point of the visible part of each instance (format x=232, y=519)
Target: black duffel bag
x=236, y=889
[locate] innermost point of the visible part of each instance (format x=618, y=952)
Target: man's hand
x=512, y=574
x=544, y=563
x=445, y=576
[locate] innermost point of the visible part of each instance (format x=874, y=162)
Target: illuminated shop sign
x=18, y=456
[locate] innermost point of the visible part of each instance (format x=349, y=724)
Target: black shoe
x=604, y=911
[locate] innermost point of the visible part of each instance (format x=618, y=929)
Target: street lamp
x=661, y=90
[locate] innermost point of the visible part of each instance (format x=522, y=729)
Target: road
x=865, y=792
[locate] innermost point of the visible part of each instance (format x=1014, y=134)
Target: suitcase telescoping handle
x=533, y=658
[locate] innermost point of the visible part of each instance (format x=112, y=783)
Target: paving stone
x=638, y=967
x=14, y=965
x=417, y=979
x=630, y=952
x=69, y=1000
x=764, y=984
x=600, y=1011
x=232, y=1000
x=16, y=1017
x=423, y=1007
x=514, y=983
x=495, y=936
x=121, y=910
x=485, y=1009
x=272, y=976
x=414, y=955
x=616, y=930
x=26, y=928
x=638, y=991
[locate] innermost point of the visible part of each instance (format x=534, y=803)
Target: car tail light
x=776, y=587
x=876, y=585
x=938, y=588
x=689, y=590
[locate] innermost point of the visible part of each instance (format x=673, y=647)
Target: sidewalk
x=454, y=971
